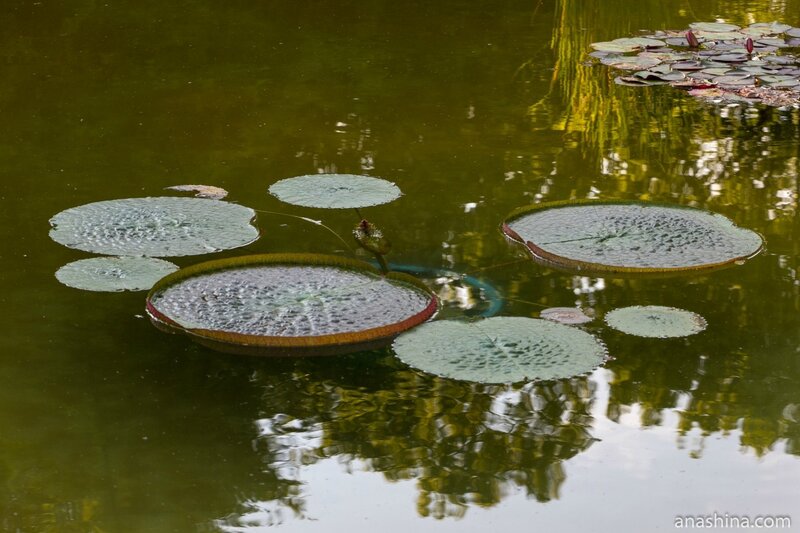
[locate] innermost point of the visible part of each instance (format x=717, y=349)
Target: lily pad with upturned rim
x=289, y=304
x=114, y=274
x=630, y=237
x=500, y=350
x=155, y=226
x=655, y=321
x=335, y=191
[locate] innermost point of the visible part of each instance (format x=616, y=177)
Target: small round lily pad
x=500, y=350
x=655, y=321
x=289, y=304
x=155, y=227
x=630, y=237
x=565, y=315
x=113, y=274
x=335, y=191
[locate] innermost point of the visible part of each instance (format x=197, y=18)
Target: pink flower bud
x=748, y=45
x=692, y=39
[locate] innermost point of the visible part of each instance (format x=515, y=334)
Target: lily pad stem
x=311, y=220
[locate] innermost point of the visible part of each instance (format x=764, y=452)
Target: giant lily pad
x=155, y=227
x=112, y=274
x=335, y=191
x=655, y=321
x=630, y=237
x=289, y=304
x=500, y=350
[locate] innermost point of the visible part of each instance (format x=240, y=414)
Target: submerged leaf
x=202, y=191
x=655, y=321
x=113, y=274
x=284, y=303
x=630, y=236
x=155, y=227
x=335, y=191
x=500, y=350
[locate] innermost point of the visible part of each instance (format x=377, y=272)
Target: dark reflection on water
x=109, y=425
x=464, y=444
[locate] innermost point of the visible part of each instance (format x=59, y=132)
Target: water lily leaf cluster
x=145, y=228
x=715, y=61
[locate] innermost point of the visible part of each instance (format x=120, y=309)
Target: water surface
x=473, y=109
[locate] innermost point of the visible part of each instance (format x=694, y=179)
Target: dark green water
x=473, y=109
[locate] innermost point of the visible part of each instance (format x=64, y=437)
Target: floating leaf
x=619, y=48
x=793, y=32
x=565, y=315
x=777, y=43
x=630, y=237
x=773, y=27
x=688, y=65
x=630, y=63
x=780, y=81
x=713, y=26
x=500, y=350
x=632, y=81
x=734, y=80
x=655, y=321
x=289, y=304
x=335, y=191
x=679, y=41
x=720, y=35
x=202, y=191
x=113, y=274
x=667, y=76
x=155, y=227
x=731, y=58
x=716, y=71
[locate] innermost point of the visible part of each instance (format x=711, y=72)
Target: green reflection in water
x=109, y=424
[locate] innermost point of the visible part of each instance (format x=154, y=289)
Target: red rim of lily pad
x=311, y=345
x=549, y=259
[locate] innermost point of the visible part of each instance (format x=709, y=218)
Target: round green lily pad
x=289, y=304
x=113, y=274
x=630, y=237
x=500, y=350
x=155, y=227
x=335, y=191
x=655, y=321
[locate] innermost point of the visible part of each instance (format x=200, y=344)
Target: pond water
x=473, y=109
